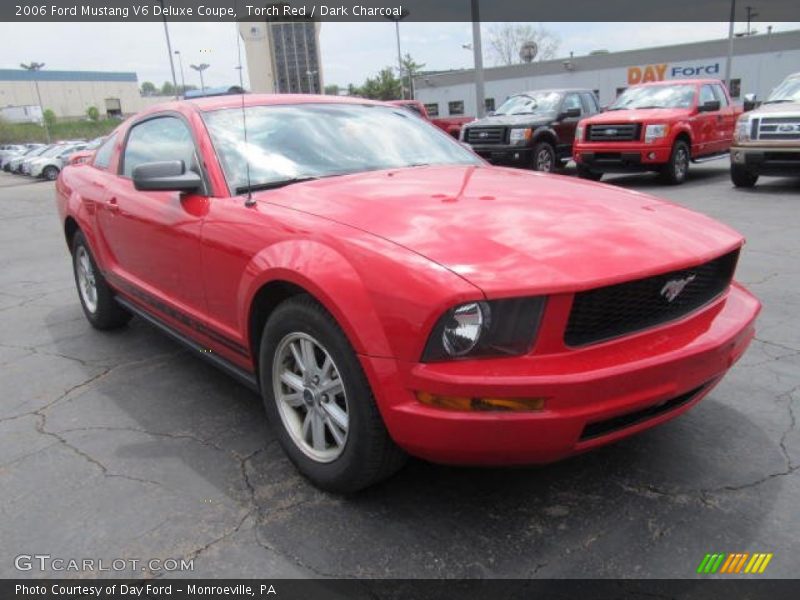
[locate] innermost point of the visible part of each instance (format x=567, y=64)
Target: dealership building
x=760, y=62
x=70, y=93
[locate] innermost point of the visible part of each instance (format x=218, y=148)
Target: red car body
x=707, y=133
x=388, y=252
x=451, y=125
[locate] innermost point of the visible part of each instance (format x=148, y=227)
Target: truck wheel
x=50, y=173
x=742, y=178
x=544, y=157
x=676, y=170
x=96, y=296
x=585, y=172
x=319, y=400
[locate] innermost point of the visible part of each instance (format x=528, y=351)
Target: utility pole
x=477, y=52
x=403, y=14
x=751, y=14
x=169, y=50
x=33, y=67
x=730, y=46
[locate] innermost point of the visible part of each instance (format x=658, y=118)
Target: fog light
x=467, y=403
x=651, y=155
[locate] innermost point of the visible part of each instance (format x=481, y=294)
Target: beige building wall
x=71, y=99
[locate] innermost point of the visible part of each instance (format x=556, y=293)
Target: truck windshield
x=656, y=96
x=788, y=91
x=289, y=143
x=528, y=104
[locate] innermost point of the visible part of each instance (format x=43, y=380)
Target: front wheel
x=320, y=402
x=742, y=178
x=676, y=170
x=50, y=173
x=544, y=157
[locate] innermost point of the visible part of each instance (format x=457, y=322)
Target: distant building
x=283, y=57
x=70, y=93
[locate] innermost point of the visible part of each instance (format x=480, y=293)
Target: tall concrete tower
x=283, y=57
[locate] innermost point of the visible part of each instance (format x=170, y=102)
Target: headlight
x=579, y=133
x=494, y=328
x=742, y=131
x=654, y=132
x=519, y=135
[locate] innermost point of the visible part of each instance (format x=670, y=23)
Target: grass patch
x=18, y=133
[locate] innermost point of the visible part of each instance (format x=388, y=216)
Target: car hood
x=638, y=115
x=514, y=120
x=513, y=232
x=790, y=108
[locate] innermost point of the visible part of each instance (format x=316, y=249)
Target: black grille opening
x=600, y=428
x=616, y=132
x=485, y=135
x=605, y=313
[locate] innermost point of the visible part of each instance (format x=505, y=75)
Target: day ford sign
x=662, y=71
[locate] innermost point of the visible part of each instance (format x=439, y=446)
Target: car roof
x=211, y=103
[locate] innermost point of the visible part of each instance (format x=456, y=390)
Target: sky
x=350, y=51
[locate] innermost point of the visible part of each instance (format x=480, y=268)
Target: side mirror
x=570, y=113
x=710, y=106
x=749, y=102
x=165, y=176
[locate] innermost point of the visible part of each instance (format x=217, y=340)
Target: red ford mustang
x=387, y=292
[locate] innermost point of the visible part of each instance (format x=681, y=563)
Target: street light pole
x=169, y=50
x=200, y=68
x=310, y=76
x=403, y=14
x=730, y=46
x=180, y=63
x=33, y=67
x=477, y=52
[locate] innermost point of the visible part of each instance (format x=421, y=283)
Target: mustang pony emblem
x=673, y=288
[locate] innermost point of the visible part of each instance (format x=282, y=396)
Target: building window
x=736, y=88
x=433, y=109
x=489, y=104
x=620, y=90
x=456, y=107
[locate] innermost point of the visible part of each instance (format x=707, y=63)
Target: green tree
x=332, y=90
x=49, y=117
x=149, y=88
x=93, y=113
x=385, y=86
x=167, y=89
x=411, y=69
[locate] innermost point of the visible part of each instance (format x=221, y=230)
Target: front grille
x=609, y=312
x=486, y=135
x=614, y=132
x=779, y=128
x=600, y=428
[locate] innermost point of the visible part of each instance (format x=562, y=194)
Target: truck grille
x=485, y=135
x=614, y=132
x=625, y=308
x=779, y=128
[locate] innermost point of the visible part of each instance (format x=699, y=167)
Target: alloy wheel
x=544, y=160
x=681, y=163
x=86, y=281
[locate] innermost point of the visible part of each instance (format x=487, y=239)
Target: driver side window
x=706, y=95
x=572, y=101
x=158, y=139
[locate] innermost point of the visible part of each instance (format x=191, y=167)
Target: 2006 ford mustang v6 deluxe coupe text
x=388, y=292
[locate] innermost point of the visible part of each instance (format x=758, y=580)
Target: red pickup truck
x=661, y=126
x=451, y=125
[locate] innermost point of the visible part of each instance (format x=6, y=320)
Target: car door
x=565, y=126
x=727, y=120
x=154, y=236
x=707, y=123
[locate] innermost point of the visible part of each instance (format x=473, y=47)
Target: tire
x=742, y=178
x=99, y=306
x=544, y=157
x=676, y=170
x=363, y=454
x=586, y=173
x=50, y=173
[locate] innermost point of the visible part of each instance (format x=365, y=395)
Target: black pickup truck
x=533, y=130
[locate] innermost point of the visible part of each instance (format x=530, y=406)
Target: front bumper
x=594, y=395
x=35, y=170
x=515, y=156
x=621, y=157
x=767, y=160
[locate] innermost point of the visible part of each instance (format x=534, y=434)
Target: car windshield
x=656, y=96
x=788, y=91
x=528, y=104
x=54, y=151
x=286, y=143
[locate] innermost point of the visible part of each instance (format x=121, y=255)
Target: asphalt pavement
x=123, y=446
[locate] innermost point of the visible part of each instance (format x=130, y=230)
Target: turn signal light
x=466, y=403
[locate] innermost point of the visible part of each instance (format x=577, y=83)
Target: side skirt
x=244, y=377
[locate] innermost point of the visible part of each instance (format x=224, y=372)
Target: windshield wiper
x=271, y=185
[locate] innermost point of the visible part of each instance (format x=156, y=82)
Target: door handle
x=112, y=205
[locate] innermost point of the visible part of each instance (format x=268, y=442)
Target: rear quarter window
x=102, y=157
